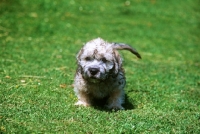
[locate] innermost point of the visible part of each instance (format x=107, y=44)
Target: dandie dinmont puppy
x=100, y=74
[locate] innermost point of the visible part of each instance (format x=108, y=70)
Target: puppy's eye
x=88, y=58
x=104, y=60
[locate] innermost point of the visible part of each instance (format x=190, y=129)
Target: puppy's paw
x=82, y=103
x=115, y=107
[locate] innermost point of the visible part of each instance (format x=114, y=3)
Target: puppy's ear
x=79, y=55
x=121, y=46
x=117, y=62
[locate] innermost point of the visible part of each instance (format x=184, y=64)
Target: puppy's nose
x=94, y=71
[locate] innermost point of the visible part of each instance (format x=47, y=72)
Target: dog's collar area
x=92, y=80
x=95, y=81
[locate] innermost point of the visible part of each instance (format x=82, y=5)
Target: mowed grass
x=40, y=39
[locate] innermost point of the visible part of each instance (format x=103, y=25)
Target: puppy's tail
x=121, y=46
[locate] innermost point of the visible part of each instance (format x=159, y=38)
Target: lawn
x=39, y=41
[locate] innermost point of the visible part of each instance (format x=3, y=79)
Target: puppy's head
x=98, y=59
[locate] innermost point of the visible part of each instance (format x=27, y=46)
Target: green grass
x=38, y=44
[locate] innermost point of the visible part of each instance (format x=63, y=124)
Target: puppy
x=100, y=75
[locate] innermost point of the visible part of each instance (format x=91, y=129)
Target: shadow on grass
x=129, y=104
x=100, y=104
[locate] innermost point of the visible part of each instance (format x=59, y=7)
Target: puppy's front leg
x=116, y=99
x=83, y=99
